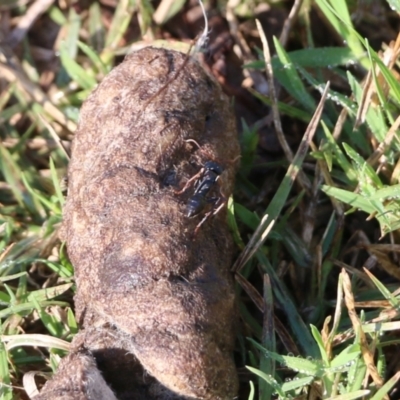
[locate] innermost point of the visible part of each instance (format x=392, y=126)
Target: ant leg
x=192, y=141
x=222, y=198
x=212, y=212
x=189, y=182
x=219, y=208
x=235, y=159
x=199, y=147
x=207, y=215
x=201, y=223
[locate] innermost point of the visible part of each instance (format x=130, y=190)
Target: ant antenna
x=203, y=38
x=192, y=141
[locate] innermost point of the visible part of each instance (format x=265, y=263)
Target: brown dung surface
x=146, y=285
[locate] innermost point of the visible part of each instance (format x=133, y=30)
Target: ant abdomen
x=195, y=204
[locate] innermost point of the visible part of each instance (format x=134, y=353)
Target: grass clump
x=329, y=199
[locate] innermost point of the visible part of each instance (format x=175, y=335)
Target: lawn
x=316, y=206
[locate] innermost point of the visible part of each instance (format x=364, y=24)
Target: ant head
x=214, y=166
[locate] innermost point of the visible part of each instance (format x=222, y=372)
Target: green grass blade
x=269, y=379
x=29, y=307
x=94, y=58
x=353, y=199
x=297, y=383
x=346, y=358
x=252, y=391
x=368, y=179
x=337, y=12
x=394, y=301
x=37, y=195
x=97, y=32
x=394, y=5
x=283, y=297
x=53, y=326
x=302, y=365
x=121, y=19
x=56, y=183
x=47, y=293
x=321, y=57
x=356, y=375
x=233, y=224
x=267, y=365
x=339, y=99
x=6, y=392
x=386, y=193
x=71, y=39
x=80, y=75
x=290, y=79
x=318, y=338
x=279, y=200
x=384, y=390
x=339, y=156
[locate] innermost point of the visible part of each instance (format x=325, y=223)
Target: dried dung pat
x=156, y=135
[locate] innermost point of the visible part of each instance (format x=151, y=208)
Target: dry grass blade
x=173, y=78
x=258, y=238
x=389, y=58
x=243, y=50
x=373, y=304
x=325, y=336
x=384, y=261
x=287, y=339
x=374, y=157
x=337, y=205
x=365, y=100
x=305, y=183
x=37, y=8
x=289, y=22
x=251, y=291
x=54, y=135
x=340, y=123
x=309, y=134
x=164, y=11
x=310, y=213
x=12, y=71
x=393, y=248
x=355, y=272
x=6, y=252
x=29, y=383
x=12, y=341
x=365, y=350
x=266, y=223
x=268, y=319
x=373, y=325
x=35, y=143
x=268, y=332
x=336, y=319
x=235, y=30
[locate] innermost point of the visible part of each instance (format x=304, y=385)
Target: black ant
x=204, y=181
